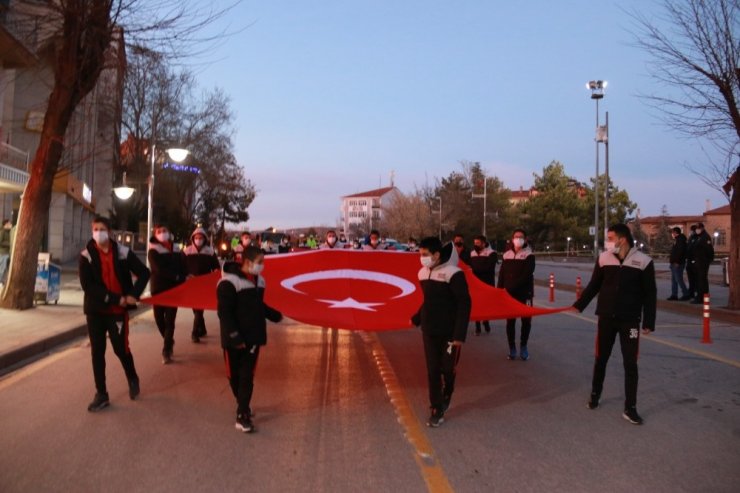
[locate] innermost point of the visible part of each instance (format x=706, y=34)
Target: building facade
x=363, y=211
x=84, y=181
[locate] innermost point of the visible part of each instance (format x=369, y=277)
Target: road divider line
x=674, y=345
x=431, y=469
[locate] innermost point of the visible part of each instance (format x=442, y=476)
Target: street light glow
x=178, y=155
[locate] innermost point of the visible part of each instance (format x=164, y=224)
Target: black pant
x=116, y=326
x=199, y=323
x=240, y=366
x=164, y=316
x=486, y=324
x=526, y=327
x=691, y=276
x=629, y=341
x=701, y=271
x=440, y=369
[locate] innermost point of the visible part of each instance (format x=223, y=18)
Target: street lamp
x=177, y=155
x=124, y=192
x=567, y=247
x=597, y=88
x=440, y=216
x=483, y=196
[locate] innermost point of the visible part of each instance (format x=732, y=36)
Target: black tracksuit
x=443, y=317
x=702, y=257
x=242, y=313
x=627, y=296
x=690, y=268
x=516, y=276
x=483, y=264
x=100, y=306
x=198, y=262
x=168, y=271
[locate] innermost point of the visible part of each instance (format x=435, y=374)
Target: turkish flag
x=345, y=289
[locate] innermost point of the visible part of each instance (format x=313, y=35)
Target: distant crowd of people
x=693, y=254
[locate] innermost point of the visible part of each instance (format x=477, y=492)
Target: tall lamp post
x=440, y=216
x=177, y=155
x=483, y=196
x=597, y=92
x=567, y=247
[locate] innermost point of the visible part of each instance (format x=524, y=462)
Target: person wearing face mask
x=374, y=243
x=242, y=313
x=624, y=279
x=245, y=240
x=443, y=318
x=516, y=276
x=483, y=260
x=200, y=259
x=702, y=257
x=284, y=246
x=462, y=252
x=331, y=242
x=168, y=270
x=678, y=261
x=413, y=246
x=105, y=270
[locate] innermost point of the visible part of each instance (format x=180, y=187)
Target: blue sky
x=331, y=96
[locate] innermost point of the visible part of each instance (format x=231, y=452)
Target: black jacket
x=484, y=265
x=626, y=289
x=168, y=267
x=446, y=308
x=703, y=250
x=241, y=308
x=97, y=297
x=678, y=250
x=516, y=274
x=199, y=261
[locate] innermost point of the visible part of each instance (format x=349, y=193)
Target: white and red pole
x=578, y=287
x=552, y=287
x=706, y=337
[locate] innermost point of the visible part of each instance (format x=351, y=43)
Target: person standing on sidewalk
x=703, y=256
x=443, y=317
x=242, y=313
x=200, y=259
x=516, y=276
x=690, y=269
x=105, y=270
x=678, y=262
x=4, y=248
x=483, y=260
x=168, y=270
x=624, y=279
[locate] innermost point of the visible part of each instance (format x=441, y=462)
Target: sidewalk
x=34, y=333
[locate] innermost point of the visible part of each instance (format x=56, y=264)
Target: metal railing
x=13, y=157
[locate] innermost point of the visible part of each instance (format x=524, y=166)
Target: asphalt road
x=344, y=411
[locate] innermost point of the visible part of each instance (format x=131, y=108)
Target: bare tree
x=75, y=36
x=697, y=53
x=409, y=216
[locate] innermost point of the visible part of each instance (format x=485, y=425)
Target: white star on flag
x=351, y=303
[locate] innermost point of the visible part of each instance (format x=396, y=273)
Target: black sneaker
x=436, y=418
x=672, y=298
x=630, y=414
x=99, y=402
x=195, y=338
x=133, y=388
x=593, y=402
x=244, y=423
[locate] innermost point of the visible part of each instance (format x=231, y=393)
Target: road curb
x=722, y=314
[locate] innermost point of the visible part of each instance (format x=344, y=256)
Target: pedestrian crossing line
x=674, y=345
x=431, y=469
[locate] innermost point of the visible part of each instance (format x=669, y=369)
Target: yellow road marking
x=674, y=345
x=431, y=469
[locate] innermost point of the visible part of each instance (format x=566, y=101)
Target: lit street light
x=567, y=247
x=124, y=192
x=177, y=155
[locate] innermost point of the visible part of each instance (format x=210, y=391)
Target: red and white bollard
x=578, y=287
x=706, y=337
x=552, y=287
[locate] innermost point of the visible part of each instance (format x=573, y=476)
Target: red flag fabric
x=345, y=289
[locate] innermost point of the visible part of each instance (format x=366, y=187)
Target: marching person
x=242, y=313
x=245, y=240
x=168, y=270
x=374, y=243
x=105, y=270
x=516, y=276
x=331, y=243
x=483, y=260
x=199, y=259
x=702, y=258
x=624, y=279
x=443, y=317
x=678, y=262
x=462, y=251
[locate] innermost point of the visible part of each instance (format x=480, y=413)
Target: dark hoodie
x=199, y=261
x=446, y=308
x=168, y=268
x=241, y=308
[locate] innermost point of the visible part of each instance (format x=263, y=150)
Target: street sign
x=592, y=230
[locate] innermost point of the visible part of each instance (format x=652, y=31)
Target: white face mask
x=100, y=237
x=699, y=231
x=610, y=246
x=256, y=269
x=198, y=242
x=331, y=240
x=162, y=237
x=518, y=242
x=426, y=261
